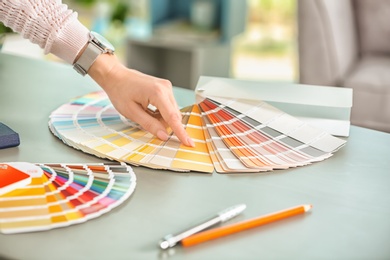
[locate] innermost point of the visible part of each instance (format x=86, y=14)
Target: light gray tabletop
x=350, y=192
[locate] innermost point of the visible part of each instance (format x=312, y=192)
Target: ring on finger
x=151, y=109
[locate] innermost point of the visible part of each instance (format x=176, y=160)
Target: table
x=349, y=192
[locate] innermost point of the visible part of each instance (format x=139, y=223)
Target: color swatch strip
x=263, y=137
x=65, y=194
x=230, y=136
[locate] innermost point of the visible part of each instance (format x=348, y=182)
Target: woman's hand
x=131, y=92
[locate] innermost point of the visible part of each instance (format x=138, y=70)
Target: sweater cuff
x=70, y=41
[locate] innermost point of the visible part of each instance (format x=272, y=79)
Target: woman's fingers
x=131, y=92
x=169, y=111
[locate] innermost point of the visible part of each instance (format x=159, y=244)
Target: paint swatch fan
x=231, y=135
x=61, y=195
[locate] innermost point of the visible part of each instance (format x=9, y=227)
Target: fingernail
x=190, y=142
x=162, y=135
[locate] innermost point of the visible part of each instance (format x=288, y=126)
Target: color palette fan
x=231, y=135
x=60, y=195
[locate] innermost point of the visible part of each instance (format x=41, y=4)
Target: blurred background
x=267, y=48
x=252, y=39
x=262, y=40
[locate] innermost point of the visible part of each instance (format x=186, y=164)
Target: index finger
x=172, y=116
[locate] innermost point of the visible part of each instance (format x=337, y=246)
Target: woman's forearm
x=48, y=23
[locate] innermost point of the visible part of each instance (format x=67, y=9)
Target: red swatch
x=12, y=178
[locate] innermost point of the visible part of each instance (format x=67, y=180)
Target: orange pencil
x=244, y=225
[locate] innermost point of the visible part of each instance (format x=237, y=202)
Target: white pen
x=172, y=239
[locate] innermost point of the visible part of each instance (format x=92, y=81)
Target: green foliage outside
x=267, y=17
x=85, y=2
x=4, y=29
x=120, y=8
x=271, y=11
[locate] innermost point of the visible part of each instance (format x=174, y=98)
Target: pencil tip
x=308, y=207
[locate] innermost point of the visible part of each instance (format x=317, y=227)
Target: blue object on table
x=8, y=137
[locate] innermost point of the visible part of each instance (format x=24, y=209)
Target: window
x=266, y=51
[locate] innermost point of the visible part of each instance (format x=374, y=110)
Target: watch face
x=103, y=42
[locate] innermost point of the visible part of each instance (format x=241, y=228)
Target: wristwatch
x=97, y=45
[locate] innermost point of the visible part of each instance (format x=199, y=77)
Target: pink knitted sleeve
x=48, y=23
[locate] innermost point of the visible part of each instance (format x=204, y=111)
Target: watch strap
x=87, y=58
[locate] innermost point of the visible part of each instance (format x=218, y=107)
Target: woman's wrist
x=103, y=66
